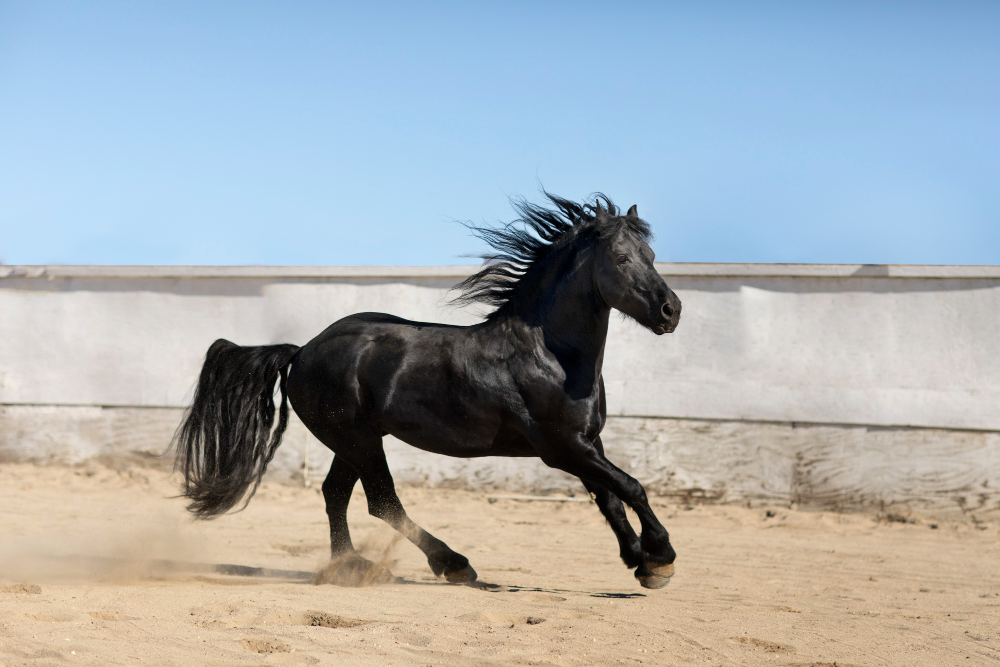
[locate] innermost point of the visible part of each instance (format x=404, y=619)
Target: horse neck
x=570, y=314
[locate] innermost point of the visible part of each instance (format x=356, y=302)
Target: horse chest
x=552, y=405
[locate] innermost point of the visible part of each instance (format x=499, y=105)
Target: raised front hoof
x=655, y=575
x=352, y=570
x=466, y=575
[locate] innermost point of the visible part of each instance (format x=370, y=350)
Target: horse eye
x=622, y=259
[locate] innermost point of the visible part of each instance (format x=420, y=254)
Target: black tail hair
x=226, y=440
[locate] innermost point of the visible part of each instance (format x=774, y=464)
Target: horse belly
x=441, y=436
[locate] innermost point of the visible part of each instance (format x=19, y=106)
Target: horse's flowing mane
x=522, y=247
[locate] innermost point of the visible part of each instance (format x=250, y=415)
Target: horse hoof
x=463, y=576
x=661, y=569
x=658, y=575
x=653, y=581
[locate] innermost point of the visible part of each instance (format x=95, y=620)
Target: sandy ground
x=795, y=588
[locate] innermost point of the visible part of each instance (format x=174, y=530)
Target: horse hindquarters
x=330, y=398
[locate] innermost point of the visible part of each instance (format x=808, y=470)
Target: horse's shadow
x=512, y=588
x=164, y=566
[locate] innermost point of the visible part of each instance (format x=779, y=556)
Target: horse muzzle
x=670, y=315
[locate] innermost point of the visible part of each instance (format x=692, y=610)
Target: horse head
x=625, y=275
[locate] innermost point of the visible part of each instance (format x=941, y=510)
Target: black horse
x=524, y=382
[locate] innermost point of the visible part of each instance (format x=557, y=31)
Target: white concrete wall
x=850, y=347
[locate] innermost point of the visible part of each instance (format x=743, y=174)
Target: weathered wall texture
x=832, y=386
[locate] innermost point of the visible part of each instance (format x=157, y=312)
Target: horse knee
x=633, y=494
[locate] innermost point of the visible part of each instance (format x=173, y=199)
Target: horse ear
x=633, y=212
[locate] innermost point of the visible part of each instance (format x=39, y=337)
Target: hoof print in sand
x=768, y=646
x=29, y=589
x=323, y=620
x=109, y=616
x=261, y=645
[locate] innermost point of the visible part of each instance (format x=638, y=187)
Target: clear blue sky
x=319, y=133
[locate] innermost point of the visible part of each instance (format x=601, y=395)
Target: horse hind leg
x=337, y=488
x=358, y=454
x=385, y=504
x=347, y=567
x=442, y=560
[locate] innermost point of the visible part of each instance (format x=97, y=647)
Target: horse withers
x=526, y=381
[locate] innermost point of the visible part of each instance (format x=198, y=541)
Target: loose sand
x=795, y=588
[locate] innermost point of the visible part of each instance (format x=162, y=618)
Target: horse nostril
x=668, y=310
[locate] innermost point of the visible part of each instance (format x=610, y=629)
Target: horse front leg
x=584, y=459
x=629, y=546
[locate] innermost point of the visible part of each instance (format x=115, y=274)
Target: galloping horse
x=524, y=382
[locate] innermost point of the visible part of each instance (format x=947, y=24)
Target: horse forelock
x=525, y=247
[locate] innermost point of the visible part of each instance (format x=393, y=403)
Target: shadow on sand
x=355, y=572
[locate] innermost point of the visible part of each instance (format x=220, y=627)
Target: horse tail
x=228, y=435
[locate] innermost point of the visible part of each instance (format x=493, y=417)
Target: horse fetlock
x=631, y=560
x=341, y=547
x=662, y=556
x=632, y=555
x=658, y=548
